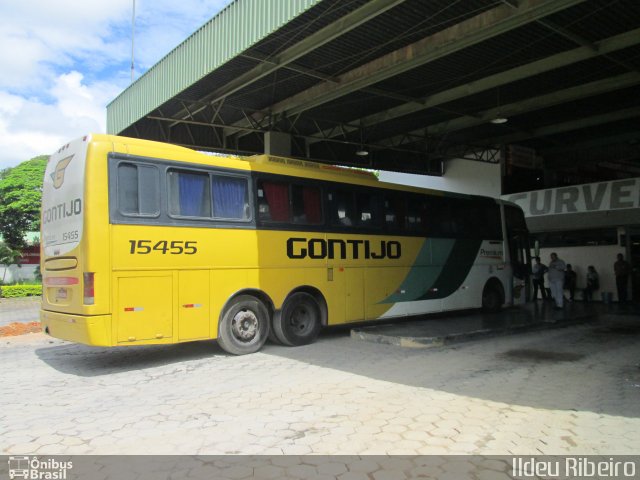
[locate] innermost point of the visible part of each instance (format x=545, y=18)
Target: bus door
x=519, y=254
x=354, y=290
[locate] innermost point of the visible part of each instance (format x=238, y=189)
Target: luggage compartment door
x=193, y=305
x=144, y=308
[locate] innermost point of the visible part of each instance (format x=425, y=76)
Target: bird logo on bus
x=58, y=174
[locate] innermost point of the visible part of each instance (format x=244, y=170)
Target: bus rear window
x=138, y=190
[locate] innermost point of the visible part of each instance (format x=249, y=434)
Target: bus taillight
x=88, y=288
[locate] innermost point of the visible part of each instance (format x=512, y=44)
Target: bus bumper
x=90, y=330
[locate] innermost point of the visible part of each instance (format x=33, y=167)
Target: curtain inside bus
x=312, y=208
x=229, y=197
x=194, y=195
x=278, y=199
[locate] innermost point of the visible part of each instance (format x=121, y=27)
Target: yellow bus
x=151, y=243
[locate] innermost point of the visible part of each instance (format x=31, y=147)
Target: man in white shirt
x=556, y=279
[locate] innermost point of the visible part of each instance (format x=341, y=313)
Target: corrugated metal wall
x=236, y=28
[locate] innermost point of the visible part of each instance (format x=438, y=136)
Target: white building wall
x=460, y=176
x=13, y=273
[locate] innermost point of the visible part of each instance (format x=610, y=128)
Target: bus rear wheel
x=299, y=321
x=244, y=326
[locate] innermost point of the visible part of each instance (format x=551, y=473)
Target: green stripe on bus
x=455, y=270
x=431, y=279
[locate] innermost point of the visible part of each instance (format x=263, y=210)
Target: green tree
x=8, y=257
x=20, y=200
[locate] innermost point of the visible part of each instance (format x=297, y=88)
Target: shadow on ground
x=593, y=366
x=86, y=361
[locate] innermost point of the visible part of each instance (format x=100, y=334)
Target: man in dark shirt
x=622, y=269
x=570, y=281
x=538, y=271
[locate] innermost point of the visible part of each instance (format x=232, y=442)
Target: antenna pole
x=133, y=32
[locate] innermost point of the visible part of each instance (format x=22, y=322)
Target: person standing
x=538, y=271
x=593, y=283
x=622, y=269
x=570, y=280
x=556, y=280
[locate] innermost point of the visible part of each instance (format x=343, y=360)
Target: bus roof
x=295, y=164
x=263, y=163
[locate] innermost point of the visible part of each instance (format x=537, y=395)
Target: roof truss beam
x=531, y=104
x=631, y=138
x=457, y=37
x=522, y=72
x=160, y=121
x=569, y=126
x=548, y=130
x=267, y=66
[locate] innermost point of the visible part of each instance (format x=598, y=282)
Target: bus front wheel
x=492, y=298
x=299, y=321
x=244, y=326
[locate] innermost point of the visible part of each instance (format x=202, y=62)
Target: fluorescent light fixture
x=362, y=152
x=499, y=120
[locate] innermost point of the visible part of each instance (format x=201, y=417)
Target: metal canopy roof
x=414, y=82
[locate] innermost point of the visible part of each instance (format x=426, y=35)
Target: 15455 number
x=174, y=247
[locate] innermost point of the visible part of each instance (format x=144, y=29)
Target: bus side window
x=419, y=214
x=273, y=201
x=306, y=204
x=461, y=215
x=426, y=215
x=394, y=213
x=263, y=206
x=482, y=220
x=341, y=208
x=138, y=190
x=492, y=222
x=189, y=194
x=230, y=197
x=411, y=218
x=368, y=210
x=434, y=214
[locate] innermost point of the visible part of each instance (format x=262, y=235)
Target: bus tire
x=272, y=334
x=244, y=326
x=492, y=298
x=299, y=322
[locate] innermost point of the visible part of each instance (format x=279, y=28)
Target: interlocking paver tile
x=353, y=476
x=336, y=396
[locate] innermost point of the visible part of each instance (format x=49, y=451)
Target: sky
x=63, y=61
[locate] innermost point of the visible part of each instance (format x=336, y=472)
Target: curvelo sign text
x=591, y=197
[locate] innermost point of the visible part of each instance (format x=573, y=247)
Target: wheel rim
x=302, y=320
x=245, y=325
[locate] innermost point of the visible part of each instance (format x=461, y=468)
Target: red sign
x=30, y=256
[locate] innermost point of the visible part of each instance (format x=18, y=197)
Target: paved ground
x=23, y=309
x=573, y=390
